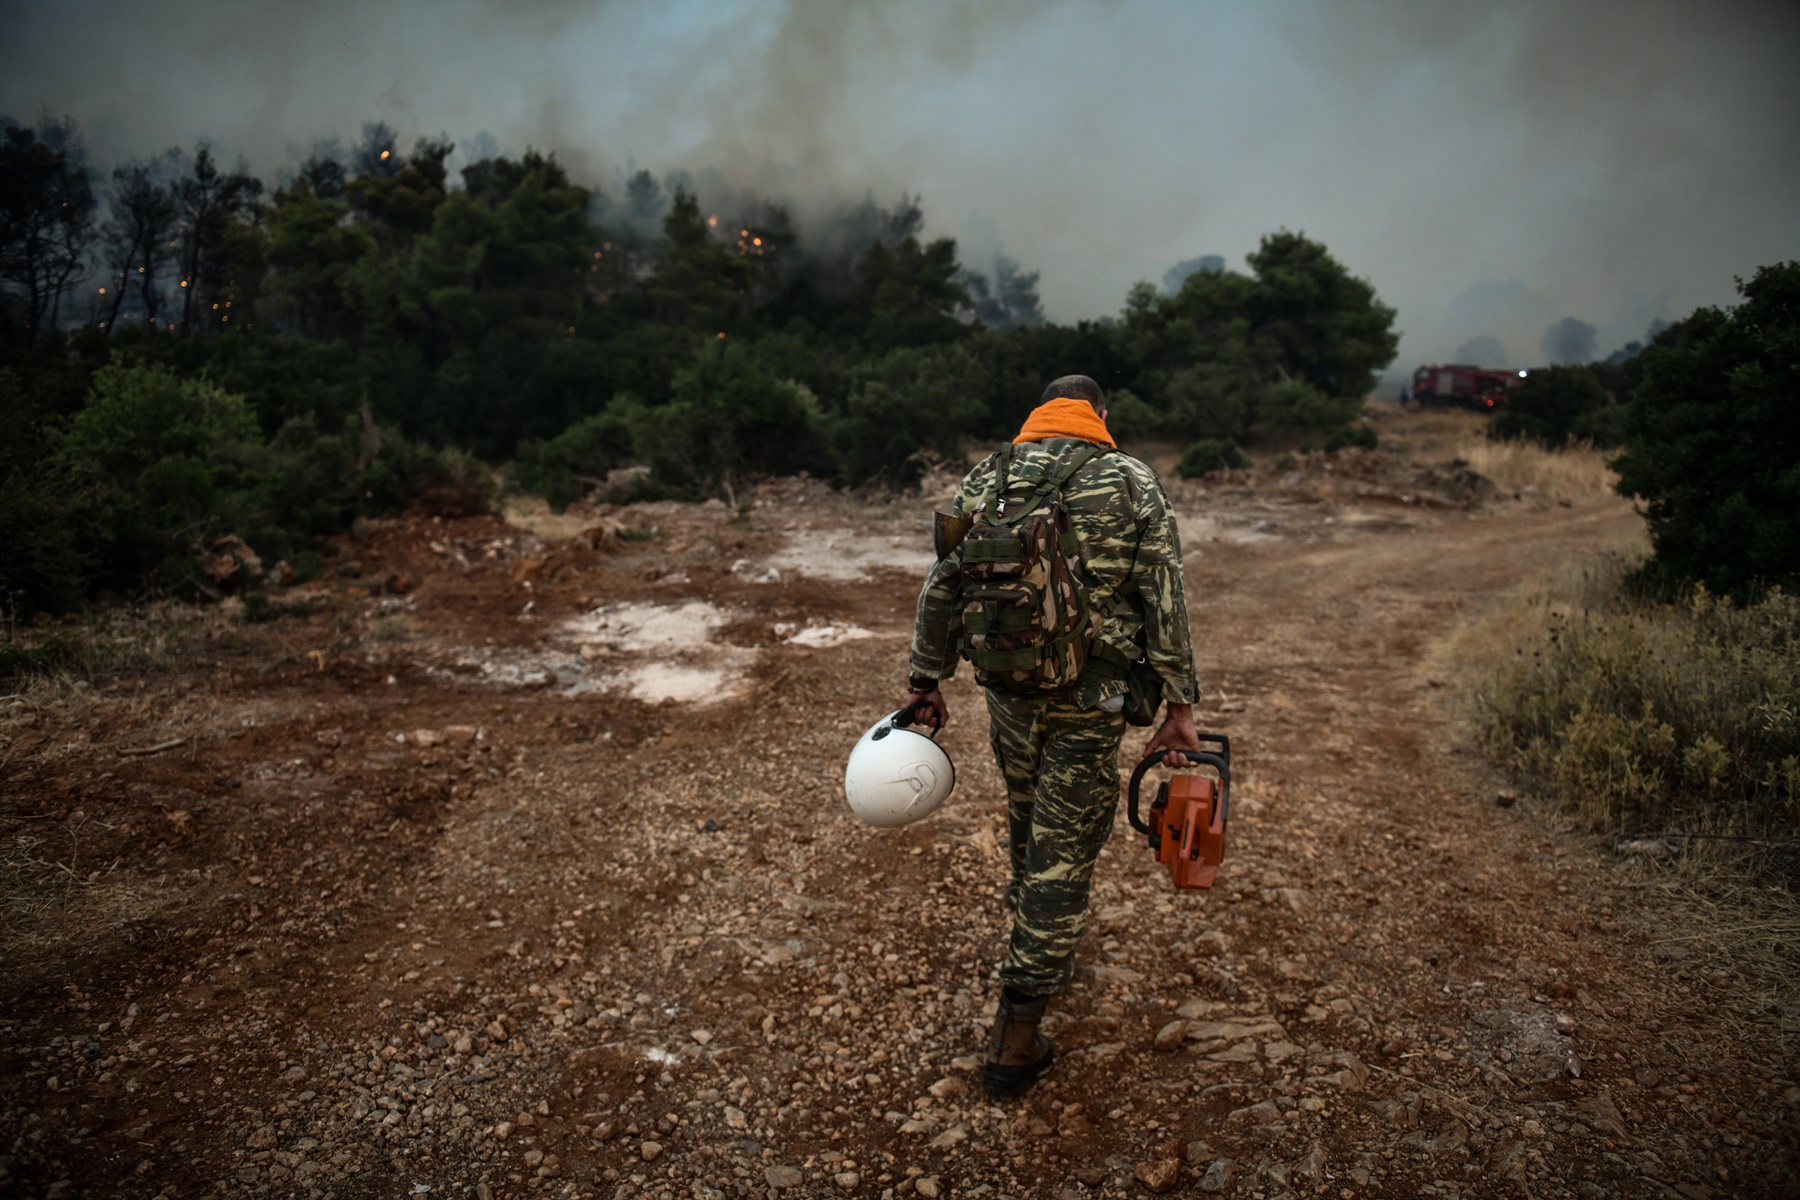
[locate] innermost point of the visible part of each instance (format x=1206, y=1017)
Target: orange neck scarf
x=1064, y=417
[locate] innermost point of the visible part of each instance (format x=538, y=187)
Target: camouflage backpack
x=1026, y=625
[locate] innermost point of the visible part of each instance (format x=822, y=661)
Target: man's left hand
x=931, y=711
x=1176, y=733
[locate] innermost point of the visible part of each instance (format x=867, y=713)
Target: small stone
x=783, y=1177
x=605, y=1131
x=1601, y=1113
x=1092, y=1176
x=464, y=1044
x=650, y=1151
x=1217, y=1177
x=1197, y=1152
x=953, y=1136
x=1262, y=1113
x=735, y=1117
x=928, y=1187
x=503, y=1130
x=1311, y=1166
x=947, y=1087
x=702, y=1036
x=846, y=1180
x=1160, y=1175
x=1506, y=799
x=1170, y=1036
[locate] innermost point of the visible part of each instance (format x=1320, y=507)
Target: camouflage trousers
x=1061, y=766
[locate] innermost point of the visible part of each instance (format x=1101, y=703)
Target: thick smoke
x=1570, y=340
x=1483, y=351
x=1618, y=158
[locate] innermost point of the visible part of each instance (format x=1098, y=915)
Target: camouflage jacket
x=1128, y=537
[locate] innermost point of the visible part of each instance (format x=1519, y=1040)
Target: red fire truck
x=1462, y=384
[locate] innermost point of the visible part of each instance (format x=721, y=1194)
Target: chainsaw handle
x=1203, y=758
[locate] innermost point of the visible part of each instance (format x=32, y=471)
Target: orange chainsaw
x=1187, y=818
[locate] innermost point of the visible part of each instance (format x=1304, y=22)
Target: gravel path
x=390, y=922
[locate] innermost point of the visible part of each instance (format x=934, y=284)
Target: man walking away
x=1056, y=696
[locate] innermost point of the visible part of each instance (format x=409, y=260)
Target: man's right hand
x=931, y=709
x=1176, y=733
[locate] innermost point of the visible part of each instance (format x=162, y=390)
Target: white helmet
x=897, y=775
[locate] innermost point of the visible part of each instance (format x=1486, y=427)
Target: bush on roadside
x=905, y=405
x=155, y=468
x=1559, y=406
x=1645, y=716
x=1359, y=435
x=49, y=511
x=563, y=469
x=178, y=462
x=731, y=419
x=1208, y=455
x=1712, y=442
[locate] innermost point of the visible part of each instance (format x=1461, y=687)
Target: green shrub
x=731, y=420
x=1296, y=407
x=156, y=467
x=1211, y=401
x=563, y=469
x=1712, y=442
x=179, y=461
x=1210, y=454
x=905, y=402
x=405, y=474
x=50, y=517
x=1359, y=435
x=1643, y=716
x=1558, y=406
x=1129, y=418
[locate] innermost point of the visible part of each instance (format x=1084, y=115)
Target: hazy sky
x=1489, y=167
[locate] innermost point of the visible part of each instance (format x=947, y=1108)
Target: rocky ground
x=510, y=860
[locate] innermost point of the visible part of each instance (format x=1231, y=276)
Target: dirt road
x=520, y=867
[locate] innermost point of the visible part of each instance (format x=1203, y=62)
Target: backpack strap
x=1054, y=481
x=1002, y=474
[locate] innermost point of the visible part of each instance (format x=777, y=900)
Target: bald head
x=1076, y=387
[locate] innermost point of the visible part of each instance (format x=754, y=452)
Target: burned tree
x=46, y=223
x=207, y=202
x=140, y=236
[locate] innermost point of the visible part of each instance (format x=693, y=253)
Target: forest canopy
x=370, y=306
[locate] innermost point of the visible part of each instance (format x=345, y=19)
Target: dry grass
x=1643, y=717
x=1428, y=435
x=1671, y=730
x=534, y=516
x=51, y=898
x=1529, y=471
x=146, y=637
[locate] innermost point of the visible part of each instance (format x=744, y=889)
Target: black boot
x=1020, y=1055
